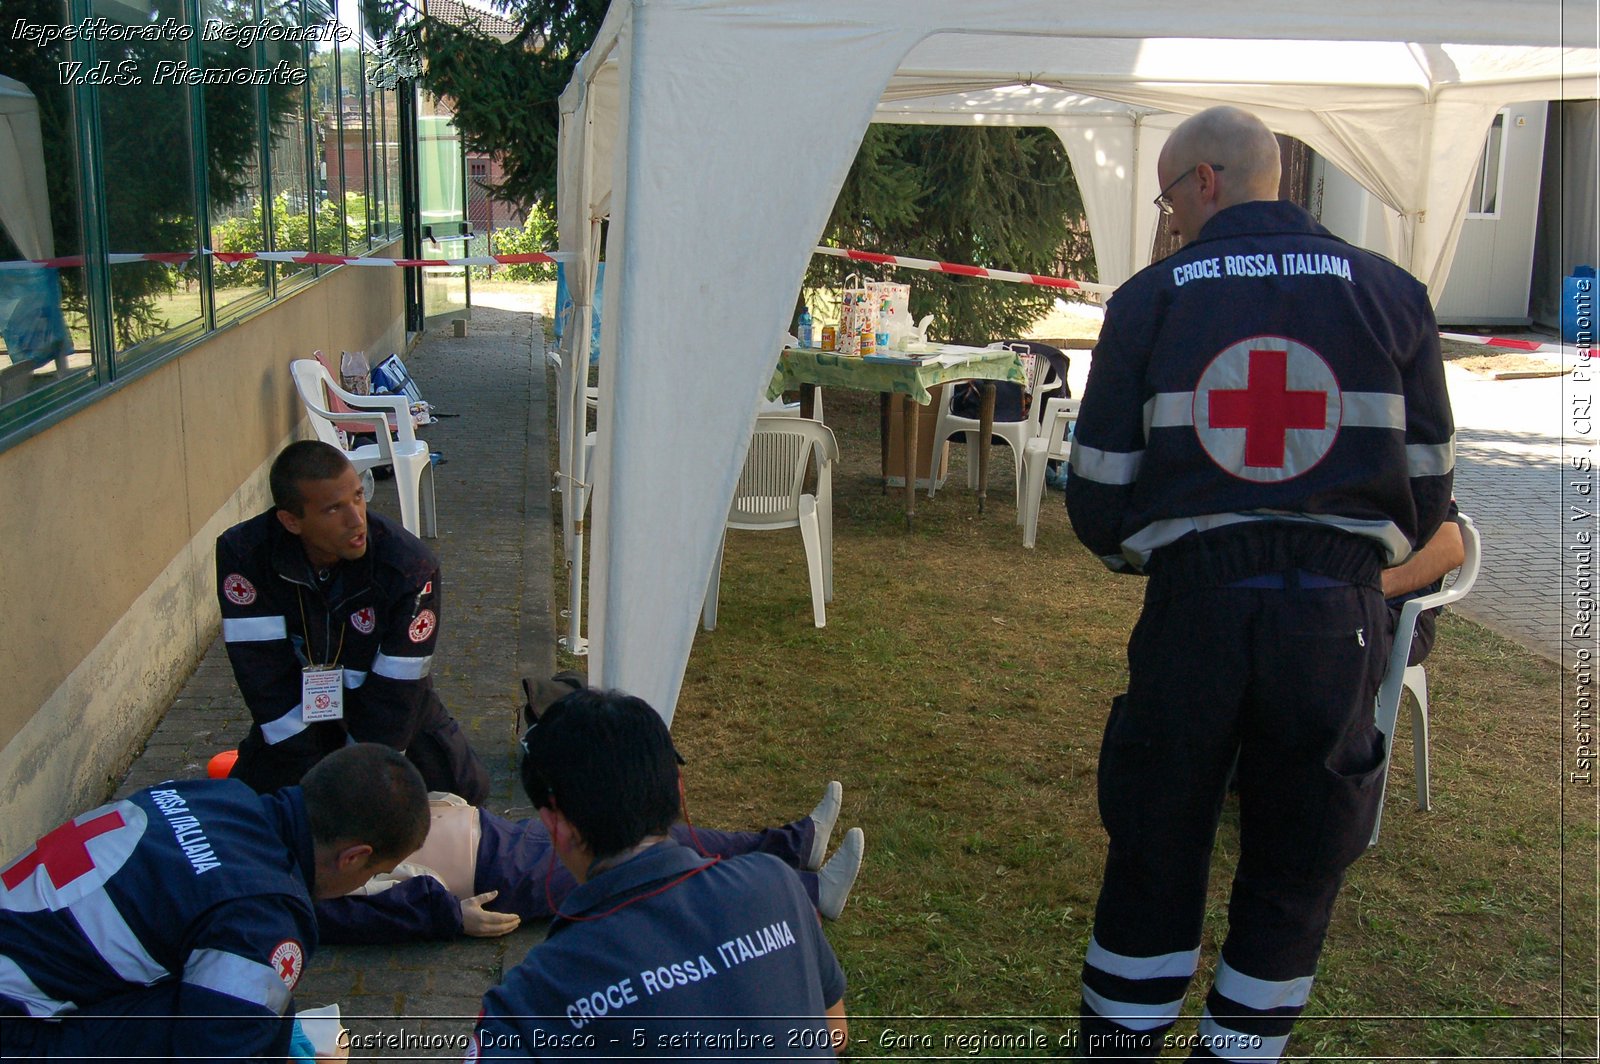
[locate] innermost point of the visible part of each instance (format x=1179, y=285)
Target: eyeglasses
x=1164, y=203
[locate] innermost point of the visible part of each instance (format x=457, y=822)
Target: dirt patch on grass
x=1482, y=360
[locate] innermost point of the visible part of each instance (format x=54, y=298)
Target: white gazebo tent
x=715, y=135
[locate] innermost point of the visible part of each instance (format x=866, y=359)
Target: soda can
x=830, y=338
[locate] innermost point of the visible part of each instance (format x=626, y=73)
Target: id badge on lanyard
x=321, y=693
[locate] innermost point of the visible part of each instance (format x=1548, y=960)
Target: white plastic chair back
x=769, y=490
x=395, y=445
x=770, y=495
x=1053, y=443
x=1399, y=676
x=1040, y=380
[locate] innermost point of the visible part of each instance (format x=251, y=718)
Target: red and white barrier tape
x=303, y=258
x=960, y=270
x=1502, y=341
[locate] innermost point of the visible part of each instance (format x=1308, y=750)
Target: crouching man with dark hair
x=331, y=616
x=175, y=923
x=659, y=952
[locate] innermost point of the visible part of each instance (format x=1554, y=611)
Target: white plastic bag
x=354, y=372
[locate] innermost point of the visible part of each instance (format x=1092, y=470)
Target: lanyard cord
x=683, y=803
x=306, y=628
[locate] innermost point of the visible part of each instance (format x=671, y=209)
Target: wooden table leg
x=913, y=415
x=886, y=403
x=808, y=400
x=985, y=431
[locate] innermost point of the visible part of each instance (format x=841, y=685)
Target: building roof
x=457, y=13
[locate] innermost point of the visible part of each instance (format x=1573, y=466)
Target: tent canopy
x=716, y=134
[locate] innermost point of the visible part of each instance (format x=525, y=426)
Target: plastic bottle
x=805, y=327
x=885, y=314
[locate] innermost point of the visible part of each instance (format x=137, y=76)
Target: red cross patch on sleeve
x=288, y=959
x=240, y=591
x=422, y=626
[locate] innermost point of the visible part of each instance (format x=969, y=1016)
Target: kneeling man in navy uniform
x=659, y=952
x=176, y=922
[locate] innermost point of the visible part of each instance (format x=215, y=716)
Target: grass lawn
x=959, y=691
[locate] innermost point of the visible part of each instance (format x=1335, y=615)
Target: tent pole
x=578, y=425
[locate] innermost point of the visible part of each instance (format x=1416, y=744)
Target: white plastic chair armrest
x=1406, y=625
x=397, y=407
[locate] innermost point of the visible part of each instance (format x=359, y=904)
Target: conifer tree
x=997, y=196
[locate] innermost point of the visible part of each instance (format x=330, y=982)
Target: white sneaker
x=835, y=878
x=825, y=815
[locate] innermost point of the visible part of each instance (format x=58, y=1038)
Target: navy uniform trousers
x=1285, y=677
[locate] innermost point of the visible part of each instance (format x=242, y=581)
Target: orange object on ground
x=222, y=764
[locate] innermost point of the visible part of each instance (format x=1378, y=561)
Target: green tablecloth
x=810, y=365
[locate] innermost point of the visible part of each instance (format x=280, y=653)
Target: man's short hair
x=302, y=461
x=367, y=793
x=604, y=759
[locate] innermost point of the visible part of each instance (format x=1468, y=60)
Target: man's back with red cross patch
x=191, y=894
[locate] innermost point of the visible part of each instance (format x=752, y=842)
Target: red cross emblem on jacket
x=1267, y=409
x=63, y=854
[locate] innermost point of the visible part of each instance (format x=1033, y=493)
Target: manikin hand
x=480, y=922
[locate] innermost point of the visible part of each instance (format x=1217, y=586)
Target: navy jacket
x=1266, y=371
x=195, y=892
x=670, y=954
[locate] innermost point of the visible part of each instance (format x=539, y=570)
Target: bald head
x=1235, y=142
x=1217, y=159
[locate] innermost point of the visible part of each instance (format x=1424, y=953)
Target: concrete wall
x=109, y=518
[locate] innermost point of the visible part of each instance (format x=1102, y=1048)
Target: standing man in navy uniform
x=331, y=616
x=659, y=952
x=177, y=921
x=1265, y=429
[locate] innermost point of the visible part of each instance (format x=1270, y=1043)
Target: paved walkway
x=494, y=546
x=1510, y=478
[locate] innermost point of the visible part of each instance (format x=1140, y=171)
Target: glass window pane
x=391, y=66
x=391, y=159
x=354, y=149
x=233, y=147
x=444, y=207
x=1485, y=197
x=292, y=195
x=44, y=331
x=147, y=152
x=326, y=103
x=371, y=136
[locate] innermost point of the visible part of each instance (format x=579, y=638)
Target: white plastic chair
x=397, y=445
x=1401, y=677
x=1053, y=443
x=770, y=495
x=1040, y=381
